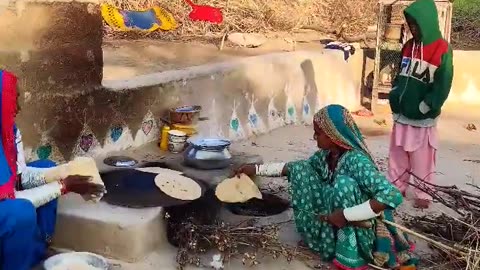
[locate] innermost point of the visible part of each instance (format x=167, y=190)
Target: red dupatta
x=8, y=159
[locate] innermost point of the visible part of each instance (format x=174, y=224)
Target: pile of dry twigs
x=456, y=236
x=246, y=241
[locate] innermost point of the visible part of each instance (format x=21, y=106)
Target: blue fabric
x=24, y=230
x=140, y=19
x=18, y=232
x=5, y=172
x=46, y=219
x=347, y=49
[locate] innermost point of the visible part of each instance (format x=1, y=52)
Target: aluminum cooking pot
x=208, y=153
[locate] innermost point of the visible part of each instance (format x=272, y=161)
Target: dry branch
x=459, y=235
x=246, y=240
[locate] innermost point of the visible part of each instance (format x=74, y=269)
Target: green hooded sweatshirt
x=426, y=71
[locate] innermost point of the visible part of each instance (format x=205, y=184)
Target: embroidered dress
x=315, y=190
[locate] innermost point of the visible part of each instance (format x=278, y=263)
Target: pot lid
x=178, y=133
x=120, y=161
x=210, y=142
x=188, y=109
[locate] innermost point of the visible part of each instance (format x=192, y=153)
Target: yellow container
x=164, y=138
x=188, y=129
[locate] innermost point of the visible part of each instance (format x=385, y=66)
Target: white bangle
x=360, y=212
x=41, y=195
x=269, y=169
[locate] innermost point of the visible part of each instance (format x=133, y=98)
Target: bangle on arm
x=360, y=212
x=269, y=169
x=41, y=195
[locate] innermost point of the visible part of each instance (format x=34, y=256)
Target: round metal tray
x=91, y=259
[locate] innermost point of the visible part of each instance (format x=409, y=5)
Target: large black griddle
x=135, y=189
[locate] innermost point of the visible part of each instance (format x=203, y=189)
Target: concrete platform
x=115, y=232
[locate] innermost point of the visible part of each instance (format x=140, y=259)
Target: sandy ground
x=291, y=143
x=128, y=58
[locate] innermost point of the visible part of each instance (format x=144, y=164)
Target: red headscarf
x=8, y=107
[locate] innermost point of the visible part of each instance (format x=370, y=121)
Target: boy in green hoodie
x=418, y=94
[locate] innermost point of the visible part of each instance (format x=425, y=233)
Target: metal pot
x=185, y=115
x=208, y=153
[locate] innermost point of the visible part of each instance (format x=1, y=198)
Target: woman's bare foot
x=422, y=204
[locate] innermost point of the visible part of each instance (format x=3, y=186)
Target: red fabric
x=343, y=267
x=8, y=111
x=205, y=13
x=432, y=53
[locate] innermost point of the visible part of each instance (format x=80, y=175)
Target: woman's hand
x=336, y=218
x=81, y=185
x=248, y=169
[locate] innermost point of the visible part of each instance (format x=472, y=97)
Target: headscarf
x=8, y=154
x=337, y=122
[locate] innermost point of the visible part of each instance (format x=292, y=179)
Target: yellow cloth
x=114, y=18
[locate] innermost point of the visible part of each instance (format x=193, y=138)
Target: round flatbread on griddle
x=237, y=190
x=178, y=186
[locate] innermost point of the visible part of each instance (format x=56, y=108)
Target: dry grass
x=262, y=16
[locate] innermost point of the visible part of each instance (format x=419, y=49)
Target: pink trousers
x=412, y=150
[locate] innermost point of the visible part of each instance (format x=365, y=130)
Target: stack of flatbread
x=237, y=190
x=86, y=166
x=174, y=184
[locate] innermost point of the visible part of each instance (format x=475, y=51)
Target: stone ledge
x=115, y=232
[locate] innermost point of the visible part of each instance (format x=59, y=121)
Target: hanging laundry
x=205, y=13
x=347, y=49
x=149, y=20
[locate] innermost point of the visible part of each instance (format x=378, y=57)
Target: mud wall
x=55, y=50
x=241, y=98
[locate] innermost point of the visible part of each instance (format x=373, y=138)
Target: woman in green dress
x=340, y=198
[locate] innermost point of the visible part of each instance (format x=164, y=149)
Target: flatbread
x=86, y=166
x=237, y=190
x=178, y=186
x=157, y=170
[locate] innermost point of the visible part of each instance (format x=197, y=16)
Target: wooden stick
x=433, y=242
x=376, y=267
